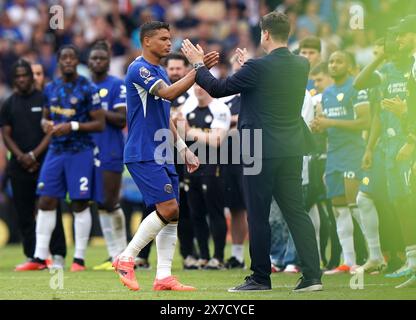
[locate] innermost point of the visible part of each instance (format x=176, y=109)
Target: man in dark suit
x=272, y=92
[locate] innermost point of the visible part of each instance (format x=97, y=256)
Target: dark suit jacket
x=272, y=92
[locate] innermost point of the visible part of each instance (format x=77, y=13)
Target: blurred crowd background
x=215, y=24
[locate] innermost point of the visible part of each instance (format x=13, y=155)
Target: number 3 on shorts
x=83, y=184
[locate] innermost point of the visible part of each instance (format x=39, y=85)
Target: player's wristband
x=180, y=144
x=74, y=125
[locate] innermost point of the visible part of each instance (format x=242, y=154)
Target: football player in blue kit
x=110, y=145
x=72, y=112
x=405, y=33
x=387, y=135
x=347, y=114
x=149, y=93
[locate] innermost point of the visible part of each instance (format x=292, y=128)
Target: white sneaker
x=190, y=263
x=214, y=264
x=371, y=266
x=202, y=263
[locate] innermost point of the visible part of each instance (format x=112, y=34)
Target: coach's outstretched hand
x=192, y=53
x=191, y=160
x=197, y=55
x=242, y=55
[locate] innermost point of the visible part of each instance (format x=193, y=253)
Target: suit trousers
x=282, y=179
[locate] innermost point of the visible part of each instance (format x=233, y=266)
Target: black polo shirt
x=23, y=113
x=215, y=115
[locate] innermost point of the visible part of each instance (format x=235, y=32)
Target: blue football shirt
x=345, y=147
x=146, y=113
x=110, y=142
x=393, y=83
x=71, y=101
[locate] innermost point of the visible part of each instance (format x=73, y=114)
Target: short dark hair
x=176, y=56
x=68, y=46
x=148, y=29
x=277, y=24
x=21, y=63
x=311, y=43
x=100, y=45
x=349, y=57
x=320, y=67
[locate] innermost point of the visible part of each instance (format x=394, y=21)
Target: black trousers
x=24, y=199
x=206, y=199
x=280, y=178
x=185, y=226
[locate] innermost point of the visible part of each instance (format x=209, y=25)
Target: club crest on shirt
x=391, y=132
x=144, y=73
x=103, y=92
x=208, y=119
x=181, y=100
x=340, y=97
x=168, y=188
x=73, y=100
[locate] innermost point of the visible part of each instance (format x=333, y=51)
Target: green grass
x=104, y=285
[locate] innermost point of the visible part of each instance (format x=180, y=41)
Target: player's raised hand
x=61, y=129
x=242, y=55
x=211, y=59
x=192, y=53
x=191, y=160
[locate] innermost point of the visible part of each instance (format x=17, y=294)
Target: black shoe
x=309, y=285
x=233, y=263
x=250, y=285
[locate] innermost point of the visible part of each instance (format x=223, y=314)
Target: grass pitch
x=104, y=285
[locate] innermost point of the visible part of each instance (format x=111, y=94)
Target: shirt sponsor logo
x=336, y=112
x=399, y=87
x=65, y=112
x=36, y=109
